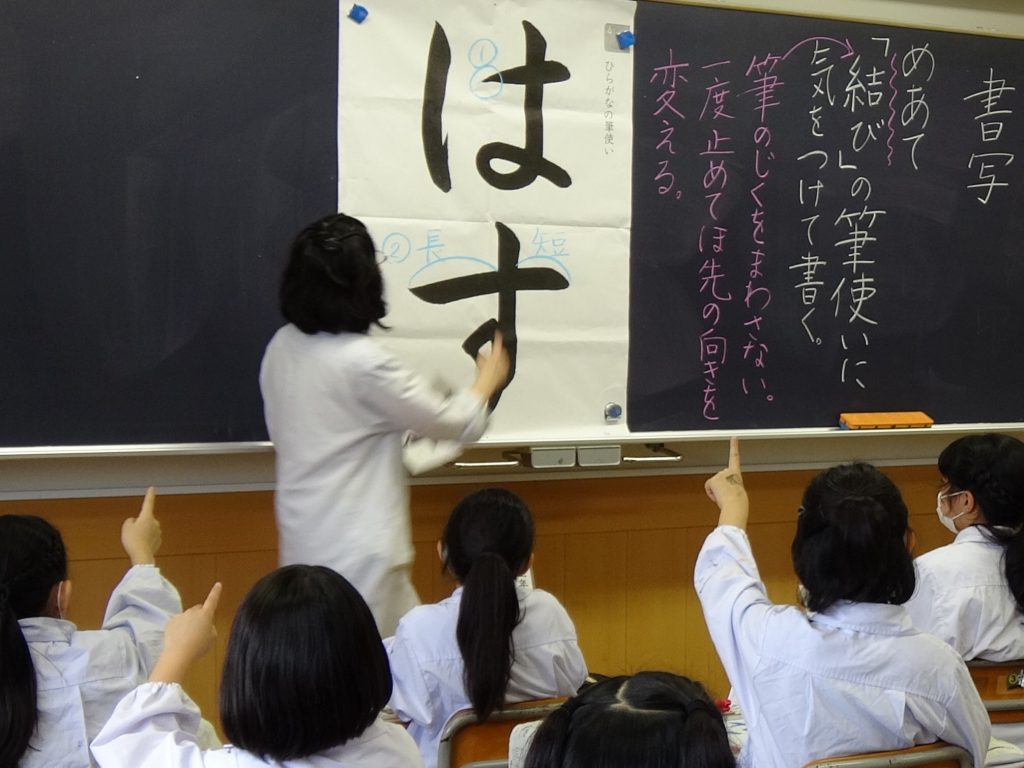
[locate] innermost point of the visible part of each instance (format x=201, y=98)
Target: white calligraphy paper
x=473, y=130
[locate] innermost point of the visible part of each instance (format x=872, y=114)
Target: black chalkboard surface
x=861, y=184
x=827, y=217
x=156, y=157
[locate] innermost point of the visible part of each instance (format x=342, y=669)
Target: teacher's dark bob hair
x=851, y=539
x=332, y=281
x=306, y=669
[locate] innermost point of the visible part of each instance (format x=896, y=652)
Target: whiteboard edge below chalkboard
x=126, y=470
x=506, y=441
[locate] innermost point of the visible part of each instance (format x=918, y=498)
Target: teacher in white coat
x=338, y=407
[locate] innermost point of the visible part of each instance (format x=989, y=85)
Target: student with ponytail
x=971, y=592
x=849, y=672
x=58, y=685
x=490, y=643
x=649, y=720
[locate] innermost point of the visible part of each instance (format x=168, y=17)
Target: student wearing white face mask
x=971, y=592
x=851, y=674
x=949, y=523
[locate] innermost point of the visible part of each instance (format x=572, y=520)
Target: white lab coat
x=155, y=726
x=81, y=675
x=962, y=596
x=337, y=408
x=427, y=666
x=856, y=678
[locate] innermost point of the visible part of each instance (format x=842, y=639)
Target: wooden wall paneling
x=658, y=580
x=549, y=561
x=215, y=523
x=426, y=572
x=431, y=505
x=92, y=581
x=595, y=597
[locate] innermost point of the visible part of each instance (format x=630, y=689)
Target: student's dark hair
x=332, y=281
x=32, y=561
x=991, y=467
x=649, y=720
x=487, y=542
x=850, y=541
x=305, y=669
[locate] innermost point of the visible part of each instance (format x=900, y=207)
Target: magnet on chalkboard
x=611, y=38
x=626, y=38
x=612, y=412
x=358, y=13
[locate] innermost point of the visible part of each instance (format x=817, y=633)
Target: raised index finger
x=212, y=599
x=148, y=503
x=734, y=453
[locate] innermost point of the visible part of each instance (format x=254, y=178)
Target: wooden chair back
x=1001, y=687
x=937, y=755
x=465, y=741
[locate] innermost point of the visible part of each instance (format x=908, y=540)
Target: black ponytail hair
x=652, y=719
x=991, y=467
x=32, y=561
x=850, y=541
x=332, y=281
x=487, y=542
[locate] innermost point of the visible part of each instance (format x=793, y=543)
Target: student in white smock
x=305, y=678
x=59, y=684
x=492, y=642
x=851, y=673
x=971, y=592
x=338, y=407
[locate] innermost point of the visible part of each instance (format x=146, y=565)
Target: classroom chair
x=468, y=743
x=1001, y=687
x=937, y=755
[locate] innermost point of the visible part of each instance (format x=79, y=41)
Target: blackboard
x=156, y=159
x=776, y=282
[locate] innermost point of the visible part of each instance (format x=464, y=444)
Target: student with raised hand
x=305, y=679
x=491, y=642
x=58, y=684
x=850, y=673
x=649, y=720
x=338, y=407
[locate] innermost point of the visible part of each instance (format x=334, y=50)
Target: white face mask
x=948, y=522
